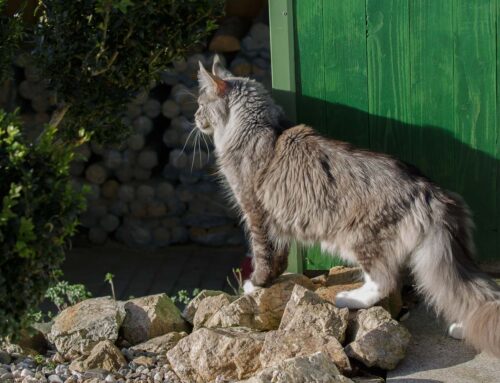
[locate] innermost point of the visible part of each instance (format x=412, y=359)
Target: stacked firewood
x=159, y=187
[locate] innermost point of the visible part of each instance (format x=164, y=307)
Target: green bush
x=98, y=53
x=38, y=214
x=11, y=32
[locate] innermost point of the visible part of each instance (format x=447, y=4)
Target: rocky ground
x=289, y=332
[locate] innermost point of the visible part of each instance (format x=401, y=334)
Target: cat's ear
x=211, y=83
x=218, y=68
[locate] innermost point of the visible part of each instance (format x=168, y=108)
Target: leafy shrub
x=98, y=53
x=11, y=32
x=64, y=295
x=38, y=213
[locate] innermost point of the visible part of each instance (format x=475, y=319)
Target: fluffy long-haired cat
x=293, y=184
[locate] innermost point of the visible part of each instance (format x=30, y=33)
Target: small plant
x=238, y=278
x=109, y=278
x=64, y=295
x=184, y=297
x=39, y=359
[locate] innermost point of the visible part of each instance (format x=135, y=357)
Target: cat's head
x=222, y=95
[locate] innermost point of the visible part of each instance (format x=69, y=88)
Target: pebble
x=55, y=379
x=25, y=372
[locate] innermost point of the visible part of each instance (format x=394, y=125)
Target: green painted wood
x=310, y=63
x=475, y=108
x=282, y=55
x=281, y=20
x=424, y=89
x=344, y=46
x=388, y=74
x=432, y=90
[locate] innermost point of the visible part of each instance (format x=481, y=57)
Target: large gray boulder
x=191, y=308
x=77, y=329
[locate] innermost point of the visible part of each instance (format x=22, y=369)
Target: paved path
x=143, y=272
x=433, y=357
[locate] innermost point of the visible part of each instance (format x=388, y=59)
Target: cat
x=291, y=183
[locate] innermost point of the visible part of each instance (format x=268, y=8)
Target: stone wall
x=160, y=186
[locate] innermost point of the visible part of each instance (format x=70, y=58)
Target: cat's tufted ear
x=218, y=68
x=211, y=83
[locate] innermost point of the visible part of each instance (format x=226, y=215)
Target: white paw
x=456, y=331
x=357, y=299
x=248, y=287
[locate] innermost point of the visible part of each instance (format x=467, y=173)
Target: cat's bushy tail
x=449, y=279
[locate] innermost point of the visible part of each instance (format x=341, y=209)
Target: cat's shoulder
x=297, y=134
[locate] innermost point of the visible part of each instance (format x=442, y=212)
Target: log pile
x=159, y=186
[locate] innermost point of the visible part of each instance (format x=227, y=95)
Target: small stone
x=207, y=353
x=110, y=379
x=280, y=345
x=379, y=340
x=145, y=361
x=263, y=308
x=209, y=306
x=149, y=317
x=306, y=311
x=315, y=368
x=80, y=327
x=341, y=275
x=105, y=355
x=160, y=344
x=192, y=306
x=55, y=379
x=57, y=358
x=4, y=357
x=25, y=372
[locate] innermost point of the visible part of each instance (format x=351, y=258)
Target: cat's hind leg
x=360, y=298
x=379, y=280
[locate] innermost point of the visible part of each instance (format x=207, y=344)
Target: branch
x=58, y=115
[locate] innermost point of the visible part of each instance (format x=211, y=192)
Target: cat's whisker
x=194, y=152
x=187, y=140
x=208, y=148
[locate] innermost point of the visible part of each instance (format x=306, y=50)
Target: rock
x=192, y=306
x=149, y=317
x=315, y=368
x=4, y=357
x=105, y=355
x=306, y=311
x=79, y=328
x=329, y=293
x=33, y=339
x=367, y=320
x=206, y=354
x=341, y=275
x=280, y=345
x=159, y=345
x=54, y=379
x=143, y=361
x=209, y=306
x=379, y=340
x=263, y=308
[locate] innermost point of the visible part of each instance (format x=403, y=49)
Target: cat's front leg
x=263, y=250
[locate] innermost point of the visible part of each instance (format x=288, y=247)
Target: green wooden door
x=414, y=78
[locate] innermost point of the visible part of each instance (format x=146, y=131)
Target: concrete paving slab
x=434, y=357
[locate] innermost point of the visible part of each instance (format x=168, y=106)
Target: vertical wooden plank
x=346, y=89
x=475, y=107
x=388, y=74
x=310, y=58
x=496, y=232
x=281, y=22
x=431, y=71
x=283, y=55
